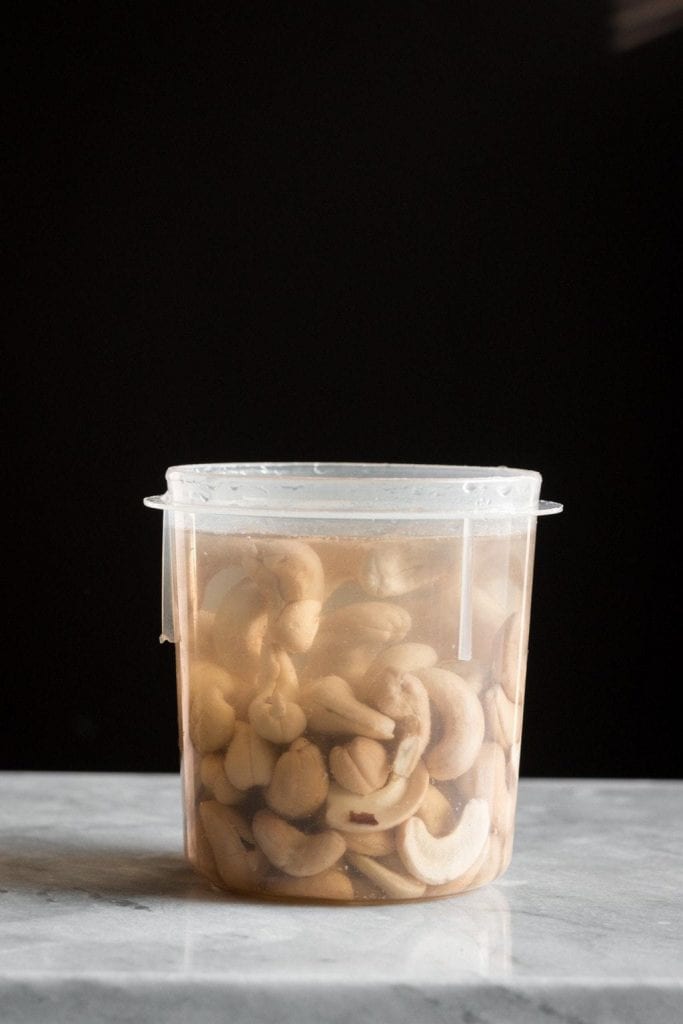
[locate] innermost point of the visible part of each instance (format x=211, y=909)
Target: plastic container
x=351, y=652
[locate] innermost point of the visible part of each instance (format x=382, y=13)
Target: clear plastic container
x=351, y=651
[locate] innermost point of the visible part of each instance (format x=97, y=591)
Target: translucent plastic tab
x=167, y=628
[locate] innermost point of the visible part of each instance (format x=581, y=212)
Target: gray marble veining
x=101, y=919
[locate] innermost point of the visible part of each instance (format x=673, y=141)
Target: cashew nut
x=393, y=569
x=350, y=637
x=487, y=780
x=361, y=766
x=238, y=863
x=212, y=718
x=437, y=860
x=404, y=657
x=291, y=572
x=333, y=884
x=509, y=660
x=503, y=718
x=275, y=718
x=394, y=883
x=372, y=844
x=462, y=723
x=404, y=698
x=436, y=812
x=473, y=672
x=331, y=707
x=468, y=880
x=239, y=628
x=213, y=777
x=250, y=759
x=293, y=851
x=380, y=810
x=300, y=783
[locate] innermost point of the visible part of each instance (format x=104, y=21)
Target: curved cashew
x=300, y=783
x=250, y=759
x=212, y=718
x=293, y=851
x=276, y=719
x=403, y=657
x=377, y=811
x=333, y=884
x=291, y=572
x=212, y=774
x=462, y=721
x=394, y=883
x=473, y=672
x=437, y=860
x=240, y=866
x=503, y=718
x=393, y=569
x=436, y=812
x=468, y=880
x=350, y=637
x=403, y=697
x=361, y=766
x=372, y=844
x=509, y=660
x=239, y=627
x=487, y=780
x=331, y=707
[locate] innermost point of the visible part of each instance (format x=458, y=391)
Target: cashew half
x=437, y=860
x=300, y=783
x=361, y=766
x=292, y=574
x=403, y=657
x=333, y=884
x=394, y=883
x=331, y=707
x=487, y=780
x=403, y=697
x=462, y=723
x=377, y=811
x=393, y=569
x=212, y=774
x=250, y=759
x=350, y=637
x=240, y=866
x=212, y=718
x=293, y=851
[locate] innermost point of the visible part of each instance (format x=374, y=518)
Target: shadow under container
x=351, y=648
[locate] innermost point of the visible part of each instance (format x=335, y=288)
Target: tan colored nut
x=395, y=884
x=503, y=718
x=328, y=885
x=465, y=881
x=473, y=672
x=365, y=623
x=291, y=573
x=295, y=852
x=393, y=569
x=462, y=723
x=509, y=658
x=404, y=657
x=213, y=777
x=377, y=811
x=276, y=719
x=300, y=783
x=250, y=759
x=487, y=780
x=331, y=707
x=239, y=628
x=402, y=696
x=435, y=860
x=361, y=766
x=239, y=865
x=277, y=672
x=296, y=625
x=351, y=663
x=372, y=844
x=212, y=718
x=437, y=812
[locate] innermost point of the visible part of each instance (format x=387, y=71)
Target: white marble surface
x=101, y=920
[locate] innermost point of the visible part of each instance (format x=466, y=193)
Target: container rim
x=352, y=490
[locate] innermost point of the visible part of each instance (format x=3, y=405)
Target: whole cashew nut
x=294, y=852
x=437, y=860
x=331, y=707
x=361, y=766
x=300, y=782
x=486, y=779
x=403, y=657
x=462, y=721
x=239, y=628
x=250, y=759
x=212, y=716
x=378, y=811
x=393, y=569
x=403, y=697
x=239, y=865
x=214, y=779
x=291, y=573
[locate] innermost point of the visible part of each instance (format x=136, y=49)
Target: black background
x=430, y=233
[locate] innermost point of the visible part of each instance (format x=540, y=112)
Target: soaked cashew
x=239, y=865
x=435, y=860
x=396, y=884
x=487, y=780
x=462, y=723
x=403, y=698
x=361, y=766
x=295, y=852
x=291, y=573
x=372, y=844
x=331, y=707
x=437, y=812
x=393, y=569
x=300, y=782
x=250, y=759
x=350, y=638
x=333, y=884
x=503, y=718
x=213, y=777
x=239, y=628
x=404, y=657
x=212, y=717
x=276, y=719
x=380, y=810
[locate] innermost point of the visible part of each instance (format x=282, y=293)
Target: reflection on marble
x=101, y=920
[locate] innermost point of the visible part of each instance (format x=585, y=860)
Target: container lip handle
x=166, y=504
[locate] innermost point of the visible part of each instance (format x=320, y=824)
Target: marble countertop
x=101, y=920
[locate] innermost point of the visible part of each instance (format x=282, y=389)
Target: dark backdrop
x=431, y=233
